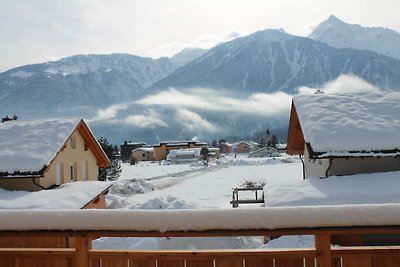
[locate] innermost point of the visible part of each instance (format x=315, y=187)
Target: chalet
x=225, y=148
x=346, y=134
x=160, y=151
x=142, y=154
x=246, y=146
x=265, y=152
x=43, y=154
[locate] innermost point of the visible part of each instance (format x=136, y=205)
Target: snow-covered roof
x=184, y=152
x=339, y=125
x=29, y=145
x=68, y=196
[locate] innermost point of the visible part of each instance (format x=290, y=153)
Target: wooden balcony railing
x=79, y=252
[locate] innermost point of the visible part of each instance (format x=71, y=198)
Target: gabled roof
x=29, y=146
x=346, y=125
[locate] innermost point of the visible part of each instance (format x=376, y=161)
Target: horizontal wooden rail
x=77, y=236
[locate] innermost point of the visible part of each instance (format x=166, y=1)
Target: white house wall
x=315, y=168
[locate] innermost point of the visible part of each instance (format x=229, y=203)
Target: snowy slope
x=272, y=60
x=340, y=34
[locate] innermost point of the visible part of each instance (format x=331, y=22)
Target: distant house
x=183, y=155
x=225, y=148
x=246, y=146
x=346, y=134
x=265, y=152
x=127, y=147
x=160, y=151
x=143, y=154
x=42, y=154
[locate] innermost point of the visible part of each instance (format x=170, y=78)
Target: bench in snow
x=235, y=196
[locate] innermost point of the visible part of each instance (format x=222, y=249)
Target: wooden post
x=323, y=250
x=83, y=245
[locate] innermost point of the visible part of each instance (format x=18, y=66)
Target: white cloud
x=185, y=106
x=345, y=83
x=151, y=119
x=206, y=99
x=109, y=112
x=191, y=121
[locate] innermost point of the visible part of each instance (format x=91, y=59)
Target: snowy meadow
x=156, y=186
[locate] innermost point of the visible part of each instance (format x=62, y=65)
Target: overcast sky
x=33, y=31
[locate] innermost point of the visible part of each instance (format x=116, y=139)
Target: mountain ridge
x=340, y=34
x=272, y=60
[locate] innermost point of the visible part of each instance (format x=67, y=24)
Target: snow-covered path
x=203, y=187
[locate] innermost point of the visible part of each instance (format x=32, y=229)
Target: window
x=85, y=170
x=73, y=142
x=72, y=171
x=59, y=173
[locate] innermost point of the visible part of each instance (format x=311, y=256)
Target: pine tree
x=274, y=140
x=204, y=154
x=114, y=171
x=214, y=143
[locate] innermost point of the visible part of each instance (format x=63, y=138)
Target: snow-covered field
x=193, y=186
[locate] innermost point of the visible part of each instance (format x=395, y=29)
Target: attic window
x=73, y=142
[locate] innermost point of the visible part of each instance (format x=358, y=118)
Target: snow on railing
x=201, y=220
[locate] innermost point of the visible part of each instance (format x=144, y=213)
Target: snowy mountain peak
x=334, y=19
x=340, y=34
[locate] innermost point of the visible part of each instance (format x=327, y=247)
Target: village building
x=178, y=156
x=142, y=154
x=127, y=147
x=246, y=146
x=265, y=152
x=225, y=148
x=160, y=151
x=346, y=134
x=44, y=154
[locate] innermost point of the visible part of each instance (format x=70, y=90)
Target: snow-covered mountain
x=272, y=60
x=340, y=34
x=187, y=55
x=75, y=85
